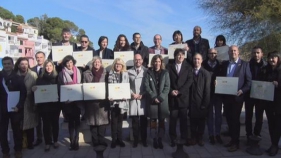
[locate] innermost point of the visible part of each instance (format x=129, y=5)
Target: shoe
x=121, y=143
x=160, y=144
x=113, y=144
x=200, y=142
x=187, y=143
x=103, y=143
x=155, y=143
x=144, y=144
x=135, y=144
x=228, y=144
x=56, y=145
x=30, y=147
x=76, y=143
x=193, y=142
x=47, y=148
x=71, y=146
x=6, y=155
x=38, y=142
x=173, y=144
x=212, y=140
x=273, y=150
x=232, y=148
x=219, y=140
x=18, y=154
x=225, y=133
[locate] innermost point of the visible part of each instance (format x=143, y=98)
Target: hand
x=135, y=96
x=59, y=62
x=34, y=88
x=84, y=66
x=239, y=92
x=123, y=99
x=140, y=96
x=186, y=48
x=15, y=109
x=157, y=101
x=275, y=83
x=110, y=99
x=215, y=82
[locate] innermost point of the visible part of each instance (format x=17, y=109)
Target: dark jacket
x=269, y=75
x=203, y=47
x=161, y=92
x=181, y=82
x=200, y=94
x=107, y=53
x=215, y=71
x=14, y=83
x=242, y=71
x=143, y=51
x=188, y=56
x=52, y=106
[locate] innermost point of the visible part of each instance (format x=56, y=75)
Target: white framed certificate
x=94, y=91
x=165, y=58
x=262, y=90
x=226, y=85
x=82, y=57
x=119, y=91
x=107, y=64
x=222, y=53
x=71, y=92
x=59, y=52
x=46, y=93
x=173, y=47
x=13, y=100
x=126, y=56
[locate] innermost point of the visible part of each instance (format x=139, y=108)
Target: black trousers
x=39, y=128
x=116, y=124
x=197, y=127
x=232, y=114
x=175, y=114
x=274, y=124
x=72, y=112
x=139, y=125
x=30, y=136
x=249, y=110
x=98, y=134
x=50, y=126
x=16, y=123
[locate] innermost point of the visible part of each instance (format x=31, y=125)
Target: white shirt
x=101, y=54
x=38, y=69
x=196, y=70
x=178, y=67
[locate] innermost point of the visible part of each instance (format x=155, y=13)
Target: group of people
x=183, y=89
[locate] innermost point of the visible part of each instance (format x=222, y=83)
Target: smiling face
x=138, y=60
x=212, y=54
x=157, y=64
x=69, y=65
x=97, y=64
x=197, y=60
x=273, y=61
x=179, y=57
x=157, y=40
x=8, y=65
x=233, y=53
x=40, y=58
x=118, y=66
x=49, y=67
x=137, y=38
x=23, y=66
x=84, y=42
x=122, y=42
x=196, y=31
x=177, y=38
x=66, y=36
x=104, y=43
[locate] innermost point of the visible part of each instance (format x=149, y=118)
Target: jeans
x=215, y=106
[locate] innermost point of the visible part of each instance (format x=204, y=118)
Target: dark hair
x=84, y=36
x=40, y=52
x=257, y=47
x=177, y=32
x=8, y=58
x=16, y=67
x=154, y=58
x=101, y=39
x=65, y=30
x=67, y=59
x=220, y=38
x=136, y=33
x=178, y=51
x=274, y=54
x=117, y=46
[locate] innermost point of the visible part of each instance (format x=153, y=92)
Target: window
x=9, y=37
x=0, y=23
x=20, y=50
x=21, y=42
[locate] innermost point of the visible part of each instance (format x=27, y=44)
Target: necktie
x=40, y=71
x=138, y=71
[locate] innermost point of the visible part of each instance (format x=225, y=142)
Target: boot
x=160, y=144
x=71, y=146
x=76, y=143
x=155, y=143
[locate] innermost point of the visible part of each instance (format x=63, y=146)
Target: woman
x=118, y=74
x=30, y=120
x=104, y=52
x=70, y=74
x=50, y=112
x=272, y=73
x=96, y=111
x=157, y=87
x=122, y=44
x=220, y=41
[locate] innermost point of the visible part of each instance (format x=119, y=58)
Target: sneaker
x=212, y=140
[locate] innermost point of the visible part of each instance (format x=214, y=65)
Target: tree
x=6, y=14
x=19, y=19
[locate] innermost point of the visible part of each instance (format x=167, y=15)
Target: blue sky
x=114, y=17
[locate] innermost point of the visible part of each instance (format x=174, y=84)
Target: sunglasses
x=84, y=41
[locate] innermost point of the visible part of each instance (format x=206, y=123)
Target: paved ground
x=208, y=151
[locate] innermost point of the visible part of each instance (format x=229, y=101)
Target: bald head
x=233, y=53
x=138, y=60
x=157, y=40
x=197, y=31
x=212, y=54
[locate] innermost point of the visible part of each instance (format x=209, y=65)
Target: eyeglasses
x=84, y=41
x=213, y=53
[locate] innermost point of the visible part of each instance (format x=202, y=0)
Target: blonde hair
x=154, y=58
x=45, y=65
x=124, y=68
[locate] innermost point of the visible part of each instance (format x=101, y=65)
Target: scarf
x=66, y=74
x=97, y=74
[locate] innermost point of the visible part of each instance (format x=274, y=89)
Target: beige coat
x=30, y=116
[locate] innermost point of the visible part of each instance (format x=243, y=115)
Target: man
x=198, y=44
x=180, y=73
x=256, y=64
x=10, y=82
x=138, y=101
x=40, y=58
x=214, y=67
x=157, y=48
x=235, y=67
x=139, y=48
x=84, y=41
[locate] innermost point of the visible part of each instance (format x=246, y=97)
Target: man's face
x=257, y=54
x=197, y=60
x=233, y=53
x=8, y=65
x=212, y=54
x=157, y=40
x=137, y=39
x=66, y=36
x=40, y=58
x=180, y=57
x=84, y=42
x=138, y=60
x=196, y=31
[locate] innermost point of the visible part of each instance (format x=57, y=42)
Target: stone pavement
x=208, y=151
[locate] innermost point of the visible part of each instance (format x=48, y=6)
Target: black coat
x=143, y=51
x=200, y=94
x=203, y=47
x=107, y=53
x=181, y=82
